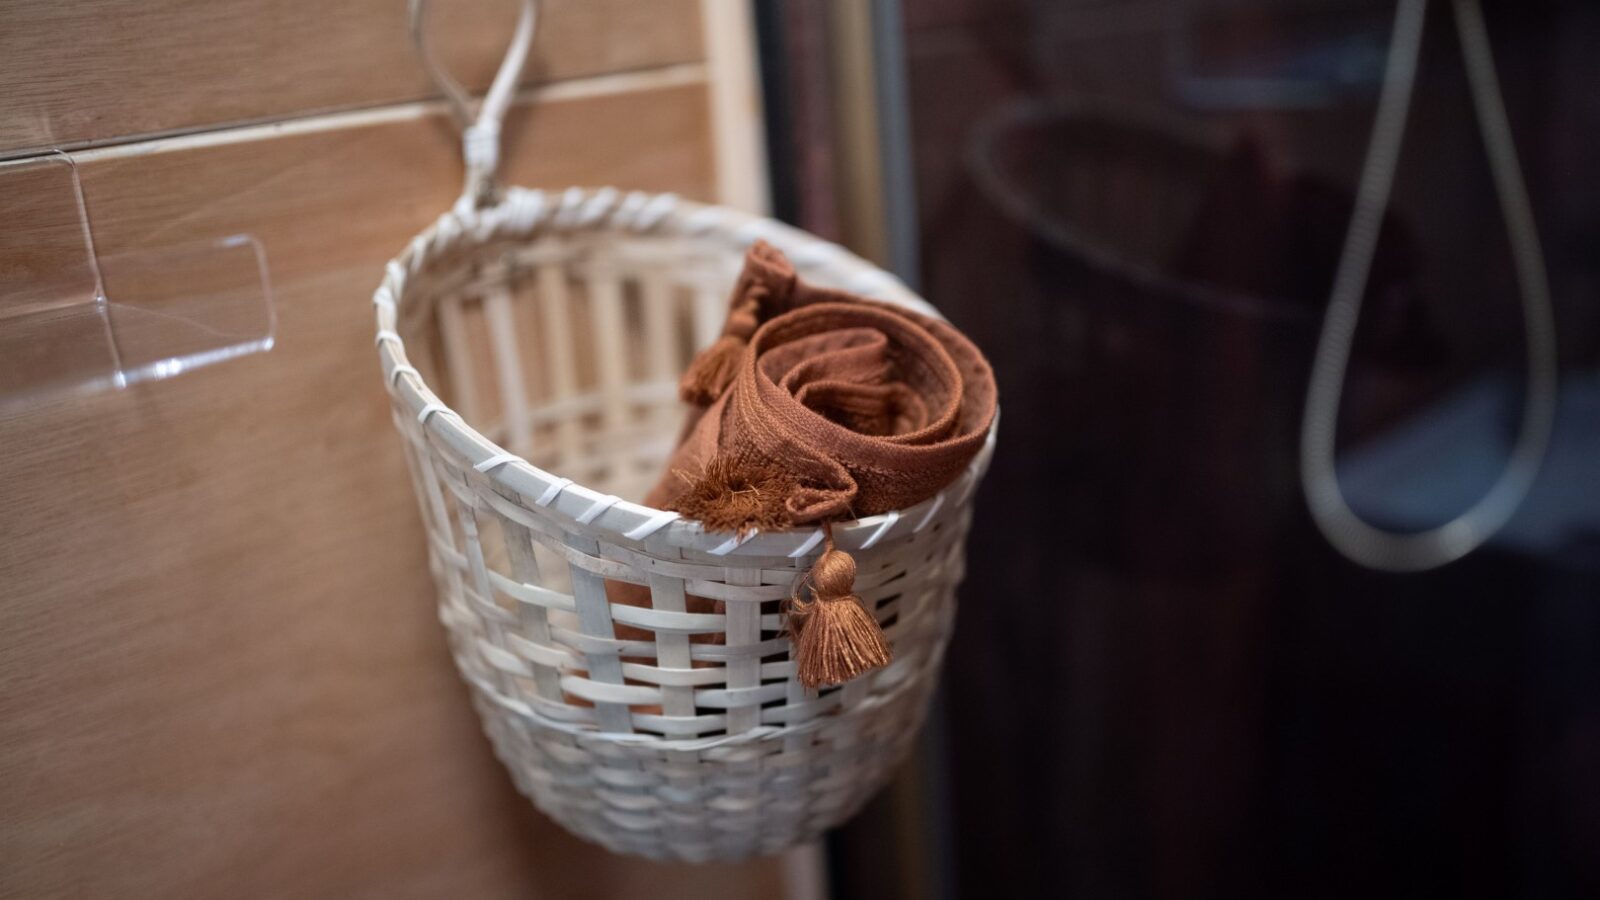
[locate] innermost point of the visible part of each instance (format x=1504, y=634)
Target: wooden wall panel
x=324, y=198
x=221, y=674
x=97, y=70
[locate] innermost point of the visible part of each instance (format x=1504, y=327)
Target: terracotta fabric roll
x=835, y=407
x=814, y=406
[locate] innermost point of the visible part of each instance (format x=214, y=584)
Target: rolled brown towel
x=814, y=406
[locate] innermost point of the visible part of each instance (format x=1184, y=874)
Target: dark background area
x=1164, y=682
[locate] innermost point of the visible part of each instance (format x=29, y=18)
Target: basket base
x=724, y=803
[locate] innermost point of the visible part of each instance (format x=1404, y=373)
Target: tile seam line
x=610, y=84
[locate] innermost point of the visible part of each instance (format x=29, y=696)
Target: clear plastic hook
x=74, y=322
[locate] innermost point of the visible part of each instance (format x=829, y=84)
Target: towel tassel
x=714, y=368
x=838, y=638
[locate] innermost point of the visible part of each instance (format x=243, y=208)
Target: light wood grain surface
x=220, y=668
x=327, y=197
x=95, y=70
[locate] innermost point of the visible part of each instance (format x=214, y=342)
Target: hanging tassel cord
x=836, y=637
x=714, y=368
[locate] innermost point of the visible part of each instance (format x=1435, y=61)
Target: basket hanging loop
x=480, y=126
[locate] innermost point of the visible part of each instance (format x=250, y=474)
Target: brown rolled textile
x=814, y=406
x=851, y=406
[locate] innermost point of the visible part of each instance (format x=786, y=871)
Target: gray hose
x=1358, y=540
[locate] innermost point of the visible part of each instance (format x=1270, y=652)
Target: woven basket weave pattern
x=559, y=324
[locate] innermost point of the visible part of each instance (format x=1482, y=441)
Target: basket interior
x=567, y=350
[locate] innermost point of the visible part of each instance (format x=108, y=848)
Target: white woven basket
x=556, y=326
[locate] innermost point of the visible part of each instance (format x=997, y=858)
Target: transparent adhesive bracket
x=75, y=322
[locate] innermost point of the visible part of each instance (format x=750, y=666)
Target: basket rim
x=524, y=213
